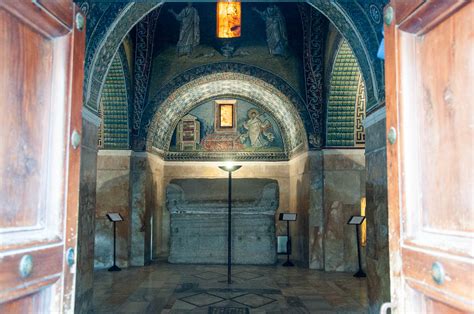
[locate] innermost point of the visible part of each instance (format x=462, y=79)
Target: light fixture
x=230, y=167
x=228, y=19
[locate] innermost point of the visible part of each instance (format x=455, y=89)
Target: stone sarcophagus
x=198, y=215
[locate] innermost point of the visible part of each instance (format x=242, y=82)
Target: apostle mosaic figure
x=258, y=131
x=275, y=27
x=189, y=34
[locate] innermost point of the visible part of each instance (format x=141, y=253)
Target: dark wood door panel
x=29, y=304
x=429, y=73
x=61, y=9
x=430, y=14
x=46, y=269
x=456, y=289
x=41, y=74
x=403, y=8
x=25, y=113
x=37, y=17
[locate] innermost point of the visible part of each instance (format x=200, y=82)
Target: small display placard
x=114, y=217
x=288, y=216
x=356, y=220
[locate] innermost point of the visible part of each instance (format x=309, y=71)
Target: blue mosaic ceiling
x=359, y=21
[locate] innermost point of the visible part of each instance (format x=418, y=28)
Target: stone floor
x=166, y=288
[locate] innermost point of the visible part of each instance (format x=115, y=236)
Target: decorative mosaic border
x=314, y=25
x=215, y=156
x=103, y=42
x=259, y=76
x=144, y=42
x=236, y=85
x=358, y=21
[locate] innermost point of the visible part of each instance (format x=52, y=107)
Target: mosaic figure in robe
x=258, y=131
x=189, y=34
x=275, y=27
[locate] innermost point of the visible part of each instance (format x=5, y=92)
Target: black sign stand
x=357, y=221
x=288, y=217
x=288, y=263
x=114, y=217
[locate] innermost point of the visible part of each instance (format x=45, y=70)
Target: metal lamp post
x=229, y=167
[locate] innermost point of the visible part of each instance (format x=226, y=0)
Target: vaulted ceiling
x=160, y=74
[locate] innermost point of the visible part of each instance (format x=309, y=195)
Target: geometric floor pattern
x=168, y=288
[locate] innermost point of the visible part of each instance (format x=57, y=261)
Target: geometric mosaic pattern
x=114, y=110
x=343, y=97
x=359, y=131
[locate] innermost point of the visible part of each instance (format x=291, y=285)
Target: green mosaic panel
x=114, y=131
x=342, y=98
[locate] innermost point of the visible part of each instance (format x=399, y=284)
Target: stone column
x=315, y=211
x=139, y=218
x=306, y=195
x=86, y=219
x=377, y=257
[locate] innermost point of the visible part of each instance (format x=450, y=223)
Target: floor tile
x=167, y=288
x=253, y=300
x=202, y=299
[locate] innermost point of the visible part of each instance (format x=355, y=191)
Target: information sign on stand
x=115, y=217
x=288, y=217
x=357, y=221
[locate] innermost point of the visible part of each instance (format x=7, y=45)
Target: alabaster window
x=228, y=19
x=225, y=115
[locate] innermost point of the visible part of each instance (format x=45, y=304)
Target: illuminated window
x=226, y=115
x=228, y=19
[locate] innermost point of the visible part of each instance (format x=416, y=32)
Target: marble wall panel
x=153, y=197
x=344, y=186
x=305, y=173
x=377, y=213
x=140, y=219
x=315, y=211
x=86, y=218
x=113, y=195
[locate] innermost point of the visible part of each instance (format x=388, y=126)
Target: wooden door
x=41, y=75
x=430, y=128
